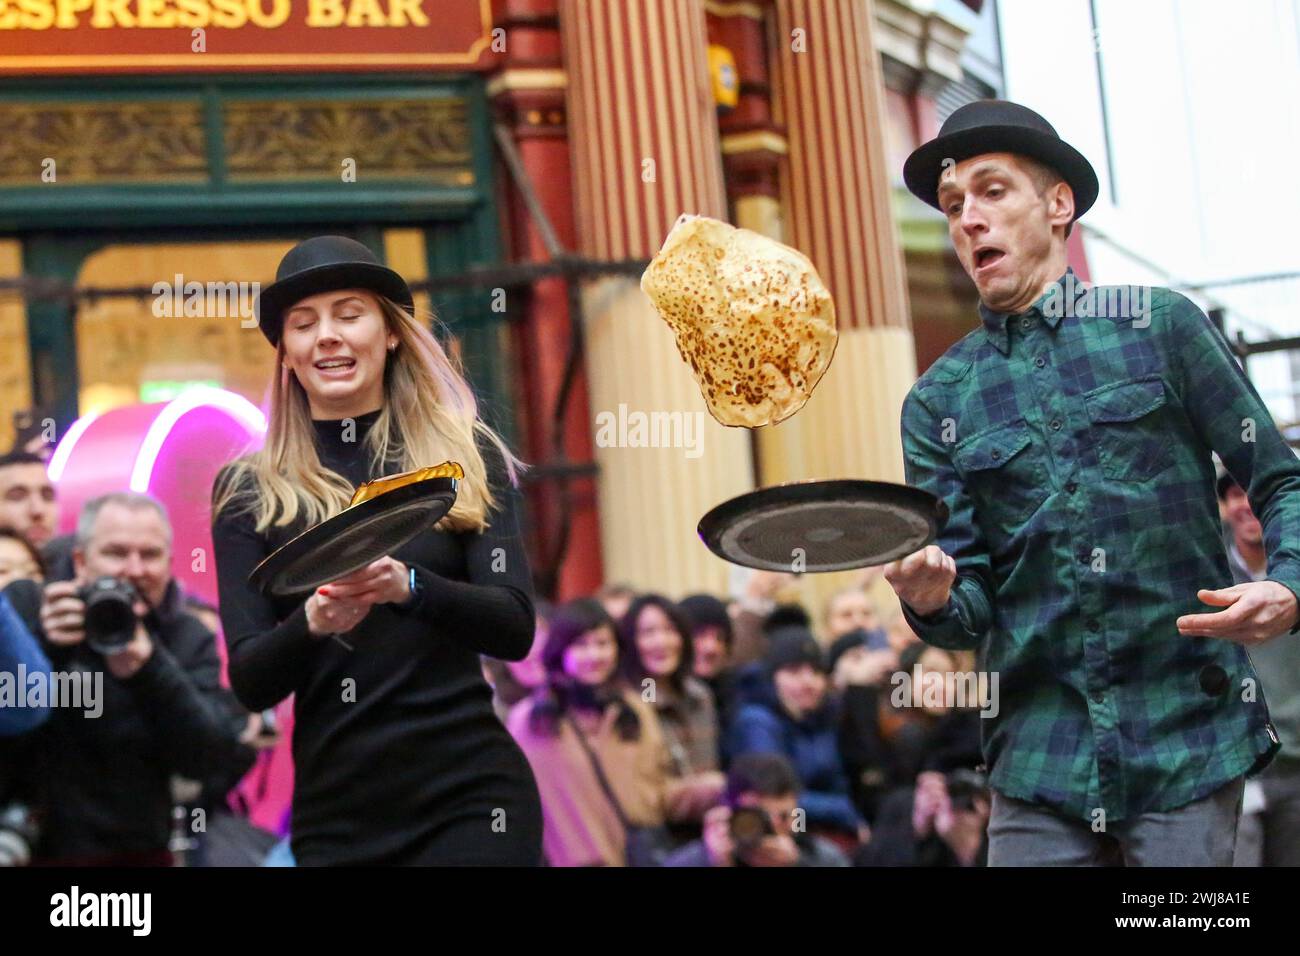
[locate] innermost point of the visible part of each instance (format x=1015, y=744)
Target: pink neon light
x=59, y=460
x=238, y=407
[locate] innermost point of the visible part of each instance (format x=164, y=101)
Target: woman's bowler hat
x=323, y=264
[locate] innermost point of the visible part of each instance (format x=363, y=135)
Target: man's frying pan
x=823, y=525
x=384, y=515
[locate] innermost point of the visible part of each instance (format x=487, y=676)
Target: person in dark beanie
x=797, y=718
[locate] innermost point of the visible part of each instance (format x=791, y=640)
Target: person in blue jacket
x=793, y=714
x=18, y=646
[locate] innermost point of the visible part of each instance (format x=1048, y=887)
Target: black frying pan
x=823, y=525
x=355, y=536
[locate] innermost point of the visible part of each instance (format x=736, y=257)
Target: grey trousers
x=1271, y=837
x=1200, y=834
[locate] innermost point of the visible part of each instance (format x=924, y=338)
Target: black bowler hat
x=998, y=126
x=323, y=264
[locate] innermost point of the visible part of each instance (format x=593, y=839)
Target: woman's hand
x=327, y=615
x=341, y=605
x=380, y=582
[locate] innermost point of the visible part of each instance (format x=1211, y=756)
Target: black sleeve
x=267, y=656
x=180, y=688
x=491, y=613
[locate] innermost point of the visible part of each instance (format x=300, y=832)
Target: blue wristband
x=413, y=586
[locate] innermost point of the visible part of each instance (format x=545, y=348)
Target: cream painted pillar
x=645, y=150
x=15, y=370
x=835, y=188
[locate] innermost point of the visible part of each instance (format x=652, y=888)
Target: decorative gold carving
x=101, y=143
x=312, y=139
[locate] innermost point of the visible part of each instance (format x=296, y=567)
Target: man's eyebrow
x=985, y=170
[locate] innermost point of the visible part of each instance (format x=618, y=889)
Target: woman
x=655, y=647
x=398, y=755
x=586, y=717
x=19, y=560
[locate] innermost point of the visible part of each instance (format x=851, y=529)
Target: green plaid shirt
x=1072, y=445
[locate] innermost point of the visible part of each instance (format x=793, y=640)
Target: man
x=765, y=788
x=1071, y=440
x=939, y=821
x=27, y=500
x=105, y=783
x=1270, y=824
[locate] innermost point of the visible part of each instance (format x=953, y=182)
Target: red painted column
x=527, y=91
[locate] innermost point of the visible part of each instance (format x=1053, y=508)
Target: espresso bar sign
x=104, y=36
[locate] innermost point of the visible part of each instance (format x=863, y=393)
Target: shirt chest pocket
x=1005, y=474
x=1131, y=443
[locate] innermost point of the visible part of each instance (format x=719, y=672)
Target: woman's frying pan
x=384, y=515
x=823, y=525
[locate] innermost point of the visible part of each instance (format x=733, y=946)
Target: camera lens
x=110, y=617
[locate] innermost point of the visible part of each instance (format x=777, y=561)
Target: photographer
x=104, y=784
x=755, y=825
x=940, y=822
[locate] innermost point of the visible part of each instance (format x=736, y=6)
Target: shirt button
x=1098, y=697
x=1026, y=323
x=1056, y=424
x=996, y=454
x=1071, y=487
x=1094, y=626
x=1040, y=362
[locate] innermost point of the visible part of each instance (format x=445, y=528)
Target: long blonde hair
x=429, y=416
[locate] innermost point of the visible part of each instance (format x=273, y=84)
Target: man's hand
x=777, y=850
x=931, y=806
x=923, y=579
x=63, y=614
x=125, y=663
x=1256, y=612
x=717, y=836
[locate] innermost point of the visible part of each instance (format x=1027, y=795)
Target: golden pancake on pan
x=383, y=515
x=751, y=317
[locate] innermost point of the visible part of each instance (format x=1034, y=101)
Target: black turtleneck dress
x=412, y=766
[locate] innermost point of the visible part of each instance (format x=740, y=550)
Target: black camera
x=748, y=827
x=110, y=613
x=965, y=786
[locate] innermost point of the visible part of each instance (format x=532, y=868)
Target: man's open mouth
x=987, y=256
